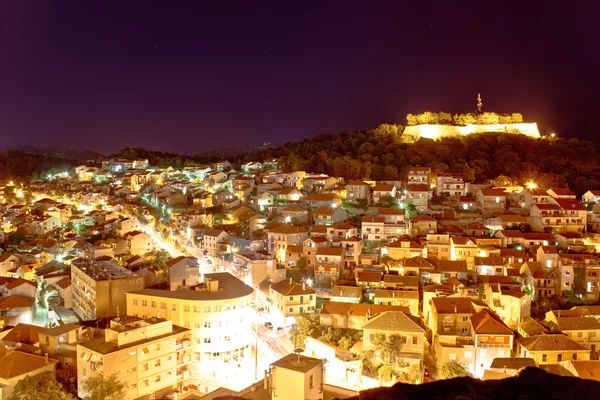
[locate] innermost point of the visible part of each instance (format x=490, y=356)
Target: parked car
x=268, y=325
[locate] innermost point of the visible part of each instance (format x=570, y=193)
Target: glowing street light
x=531, y=185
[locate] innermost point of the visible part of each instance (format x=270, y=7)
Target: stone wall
x=438, y=131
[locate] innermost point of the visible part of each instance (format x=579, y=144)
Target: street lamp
x=531, y=185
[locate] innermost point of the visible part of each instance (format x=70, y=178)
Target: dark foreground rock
x=530, y=384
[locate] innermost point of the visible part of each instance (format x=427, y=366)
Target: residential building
x=561, y=193
x=346, y=294
x=350, y=315
x=183, y=272
x=291, y=299
x=372, y=228
x=296, y=377
x=451, y=316
x=408, y=327
x=438, y=246
x=583, y=330
x=218, y=312
x=403, y=298
x=528, y=197
x=511, y=305
x=451, y=184
x=139, y=243
x=423, y=225
x=405, y=247
x=591, y=196
x=419, y=175
x=562, y=216
x=548, y=349
x=16, y=365
x=492, y=339
x=279, y=238
x=317, y=200
x=98, y=290
x=382, y=192
x=491, y=201
x=326, y=215
x=147, y=354
x=214, y=241
x=357, y=190
x=418, y=195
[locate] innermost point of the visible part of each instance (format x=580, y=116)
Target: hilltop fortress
x=432, y=131
x=435, y=125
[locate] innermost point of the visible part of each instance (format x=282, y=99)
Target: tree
x=158, y=259
x=362, y=204
x=516, y=118
x=40, y=386
x=385, y=371
x=410, y=210
x=388, y=347
x=428, y=117
x=346, y=343
x=487, y=118
x=102, y=387
x=390, y=172
x=307, y=325
x=386, y=201
x=444, y=118
x=411, y=119
x=452, y=369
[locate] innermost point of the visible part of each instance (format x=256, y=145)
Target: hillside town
x=223, y=279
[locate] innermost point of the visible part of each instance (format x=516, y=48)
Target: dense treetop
x=383, y=154
x=444, y=118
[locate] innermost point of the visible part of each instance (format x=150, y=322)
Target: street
x=271, y=344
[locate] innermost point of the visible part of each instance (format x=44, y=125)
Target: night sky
x=193, y=76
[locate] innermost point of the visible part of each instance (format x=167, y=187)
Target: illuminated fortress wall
x=438, y=131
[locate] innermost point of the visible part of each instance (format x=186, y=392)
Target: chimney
x=46, y=358
x=455, y=309
x=212, y=285
x=290, y=281
x=304, y=286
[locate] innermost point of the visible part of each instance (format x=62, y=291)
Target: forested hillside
x=380, y=154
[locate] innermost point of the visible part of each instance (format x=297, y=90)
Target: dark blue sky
x=190, y=76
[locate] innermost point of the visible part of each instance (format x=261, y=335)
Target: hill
x=78, y=156
x=382, y=154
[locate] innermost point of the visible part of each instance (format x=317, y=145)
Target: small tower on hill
x=479, y=103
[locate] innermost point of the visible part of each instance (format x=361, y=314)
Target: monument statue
x=479, y=102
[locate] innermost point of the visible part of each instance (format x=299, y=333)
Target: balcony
x=494, y=345
x=186, y=359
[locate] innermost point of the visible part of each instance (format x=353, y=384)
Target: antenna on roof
x=298, y=351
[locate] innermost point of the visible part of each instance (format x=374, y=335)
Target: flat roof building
x=98, y=289
x=147, y=354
